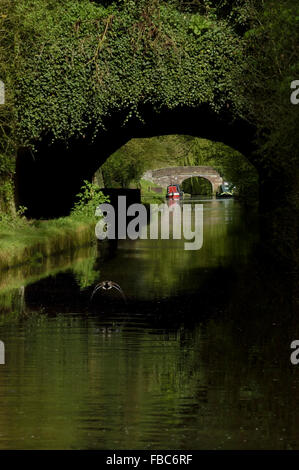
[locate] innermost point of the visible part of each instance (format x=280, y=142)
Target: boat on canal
x=174, y=191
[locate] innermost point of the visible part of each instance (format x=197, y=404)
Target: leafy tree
x=87, y=201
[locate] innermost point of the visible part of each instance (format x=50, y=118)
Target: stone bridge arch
x=176, y=175
x=48, y=180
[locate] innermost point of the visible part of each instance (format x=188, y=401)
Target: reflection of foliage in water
x=212, y=385
x=170, y=268
x=15, y=279
x=84, y=270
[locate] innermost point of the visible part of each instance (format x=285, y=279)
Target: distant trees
x=127, y=165
x=272, y=64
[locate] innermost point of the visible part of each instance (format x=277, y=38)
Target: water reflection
x=198, y=360
x=150, y=269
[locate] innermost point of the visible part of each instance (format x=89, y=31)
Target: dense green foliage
x=87, y=202
x=272, y=63
x=231, y=165
x=7, y=112
x=126, y=166
x=13, y=220
x=197, y=186
x=70, y=66
x=88, y=61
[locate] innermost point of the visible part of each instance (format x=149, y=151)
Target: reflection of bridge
x=171, y=175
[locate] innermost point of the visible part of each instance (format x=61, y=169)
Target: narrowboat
x=174, y=191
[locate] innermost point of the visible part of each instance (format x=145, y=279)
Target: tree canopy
x=70, y=65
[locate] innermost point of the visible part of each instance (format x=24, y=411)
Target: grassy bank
x=147, y=192
x=35, y=240
x=23, y=240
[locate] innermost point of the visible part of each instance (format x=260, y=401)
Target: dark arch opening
x=197, y=185
x=48, y=180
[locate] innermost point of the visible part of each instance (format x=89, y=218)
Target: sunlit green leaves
x=80, y=62
x=88, y=200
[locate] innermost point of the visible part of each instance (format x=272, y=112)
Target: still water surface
x=198, y=358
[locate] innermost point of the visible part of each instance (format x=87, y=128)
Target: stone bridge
x=176, y=175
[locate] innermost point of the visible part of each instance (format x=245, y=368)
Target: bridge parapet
x=184, y=170
x=176, y=175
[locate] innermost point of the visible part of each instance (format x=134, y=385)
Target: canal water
x=198, y=357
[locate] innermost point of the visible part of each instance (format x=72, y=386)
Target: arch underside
x=48, y=180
